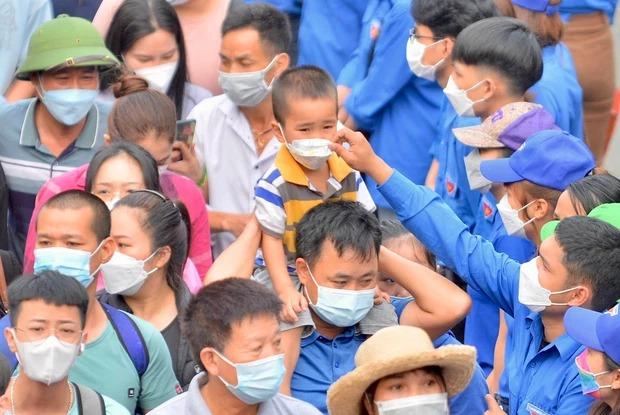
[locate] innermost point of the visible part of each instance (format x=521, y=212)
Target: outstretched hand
x=353, y=148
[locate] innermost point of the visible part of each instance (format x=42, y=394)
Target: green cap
x=608, y=212
x=65, y=42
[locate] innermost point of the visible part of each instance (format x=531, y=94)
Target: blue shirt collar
x=564, y=344
x=314, y=335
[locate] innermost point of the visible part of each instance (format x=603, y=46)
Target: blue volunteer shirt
x=571, y=7
x=397, y=108
x=451, y=182
x=543, y=377
x=482, y=322
x=329, y=32
x=323, y=361
x=471, y=399
x=558, y=91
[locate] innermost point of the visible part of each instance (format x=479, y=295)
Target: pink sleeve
x=105, y=14
x=192, y=279
x=200, y=244
x=46, y=192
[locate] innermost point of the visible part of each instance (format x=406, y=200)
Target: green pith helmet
x=65, y=42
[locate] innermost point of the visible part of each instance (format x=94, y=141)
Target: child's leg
x=291, y=342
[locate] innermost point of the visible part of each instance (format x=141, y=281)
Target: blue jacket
x=482, y=322
x=570, y=7
x=542, y=380
x=558, y=91
x=329, y=32
x=452, y=183
x=399, y=109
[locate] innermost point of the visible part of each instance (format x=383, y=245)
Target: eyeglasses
x=65, y=334
x=413, y=35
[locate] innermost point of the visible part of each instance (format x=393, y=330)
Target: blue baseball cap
x=549, y=158
x=539, y=6
x=598, y=331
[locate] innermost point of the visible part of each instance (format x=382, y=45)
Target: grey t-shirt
x=191, y=403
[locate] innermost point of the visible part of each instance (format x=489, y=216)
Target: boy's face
x=308, y=118
x=38, y=320
x=408, y=249
x=478, y=83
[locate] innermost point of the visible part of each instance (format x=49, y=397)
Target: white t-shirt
x=225, y=146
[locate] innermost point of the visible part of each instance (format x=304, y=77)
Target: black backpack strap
x=89, y=401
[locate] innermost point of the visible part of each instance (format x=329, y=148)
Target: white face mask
x=415, y=54
x=472, y=166
x=125, y=275
x=531, y=293
x=312, y=153
x=434, y=404
x=47, y=361
x=159, y=77
x=247, y=89
x=510, y=216
x=462, y=104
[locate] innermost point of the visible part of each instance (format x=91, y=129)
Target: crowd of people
x=287, y=207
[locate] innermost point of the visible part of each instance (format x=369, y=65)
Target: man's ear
x=207, y=358
x=108, y=247
x=10, y=340
x=580, y=296
x=302, y=271
x=448, y=46
x=615, y=379
x=541, y=209
x=283, y=61
x=107, y=140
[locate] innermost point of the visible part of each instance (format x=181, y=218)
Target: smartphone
x=185, y=131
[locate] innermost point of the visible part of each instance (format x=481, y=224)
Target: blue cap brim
x=499, y=171
x=580, y=324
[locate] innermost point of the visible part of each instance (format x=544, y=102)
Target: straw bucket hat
x=394, y=350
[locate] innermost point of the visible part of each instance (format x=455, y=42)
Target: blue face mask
x=68, y=106
x=257, y=381
x=73, y=263
x=341, y=308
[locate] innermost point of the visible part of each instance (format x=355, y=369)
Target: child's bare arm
x=275, y=259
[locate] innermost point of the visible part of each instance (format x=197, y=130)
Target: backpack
x=89, y=401
x=126, y=329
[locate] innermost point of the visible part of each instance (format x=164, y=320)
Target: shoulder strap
x=89, y=401
x=130, y=336
x=4, y=346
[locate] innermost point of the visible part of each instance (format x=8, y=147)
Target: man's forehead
x=66, y=220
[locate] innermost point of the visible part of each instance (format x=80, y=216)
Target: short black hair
x=208, y=319
x=593, y=191
x=302, y=82
x=592, y=254
x=52, y=288
x=273, y=26
x=77, y=199
x=504, y=45
x=447, y=18
x=147, y=163
x=347, y=225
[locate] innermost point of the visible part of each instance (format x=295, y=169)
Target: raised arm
x=439, y=304
x=436, y=225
